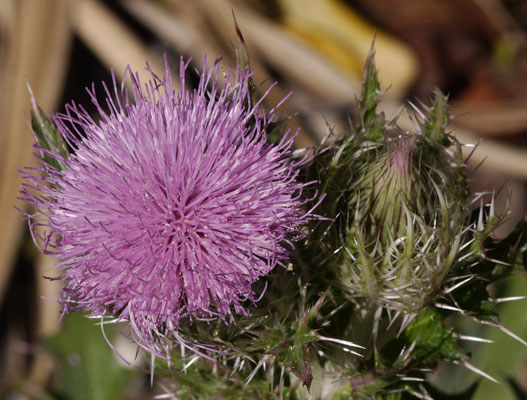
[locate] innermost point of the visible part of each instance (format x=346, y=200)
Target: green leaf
x=87, y=365
x=291, y=346
x=433, y=340
x=292, y=350
x=475, y=299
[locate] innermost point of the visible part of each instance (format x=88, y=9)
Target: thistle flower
x=170, y=207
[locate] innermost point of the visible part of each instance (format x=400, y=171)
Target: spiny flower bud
x=405, y=218
x=402, y=220
x=387, y=183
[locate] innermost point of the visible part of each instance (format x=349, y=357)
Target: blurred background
x=474, y=50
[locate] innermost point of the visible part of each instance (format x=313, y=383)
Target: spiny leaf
x=435, y=126
x=372, y=125
x=291, y=348
x=433, y=340
x=474, y=298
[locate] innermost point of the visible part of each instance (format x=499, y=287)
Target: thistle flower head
x=171, y=206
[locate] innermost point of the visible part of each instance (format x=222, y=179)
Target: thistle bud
x=402, y=218
x=387, y=184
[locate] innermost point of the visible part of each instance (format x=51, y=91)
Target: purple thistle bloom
x=170, y=207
